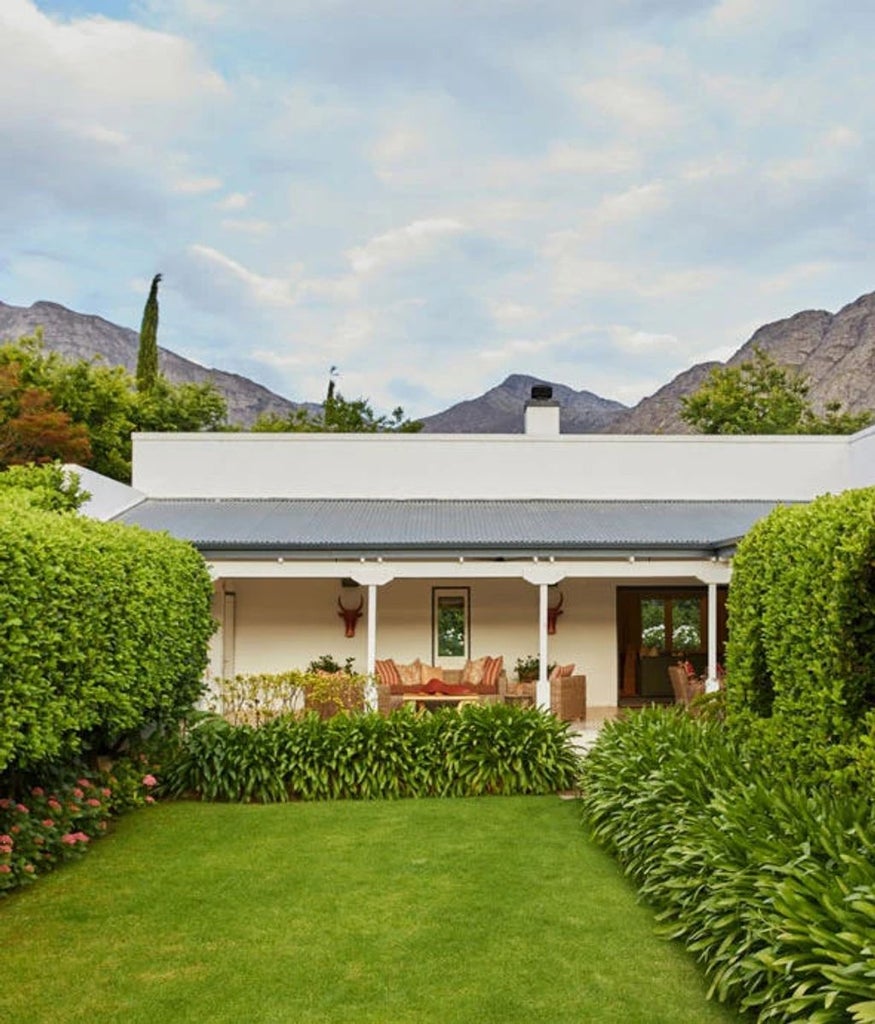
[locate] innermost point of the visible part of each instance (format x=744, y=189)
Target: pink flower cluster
x=72, y=838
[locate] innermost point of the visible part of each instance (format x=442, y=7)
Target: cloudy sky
x=431, y=195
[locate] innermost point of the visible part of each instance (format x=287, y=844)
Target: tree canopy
x=337, y=415
x=84, y=411
x=762, y=397
x=147, y=356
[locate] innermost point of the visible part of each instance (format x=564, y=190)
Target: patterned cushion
x=489, y=682
x=562, y=672
x=411, y=675
x=472, y=674
x=429, y=672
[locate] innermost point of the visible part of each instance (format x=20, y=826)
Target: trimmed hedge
x=802, y=614
x=771, y=884
x=103, y=629
x=477, y=750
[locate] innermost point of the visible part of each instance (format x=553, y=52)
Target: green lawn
x=475, y=911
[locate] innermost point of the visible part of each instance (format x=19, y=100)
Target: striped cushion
x=491, y=672
x=387, y=671
x=562, y=672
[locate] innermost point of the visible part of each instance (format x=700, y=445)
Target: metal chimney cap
x=541, y=392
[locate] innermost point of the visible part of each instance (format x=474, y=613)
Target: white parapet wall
x=496, y=466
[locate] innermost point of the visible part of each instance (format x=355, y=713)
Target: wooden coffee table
x=430, y=700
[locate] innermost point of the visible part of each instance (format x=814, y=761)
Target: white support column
x=543, y=695
x=711, y=684
x=371, y=691
x=229, y=630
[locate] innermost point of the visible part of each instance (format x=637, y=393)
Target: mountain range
x=834, y=351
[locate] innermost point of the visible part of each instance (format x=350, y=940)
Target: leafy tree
x=102, y=401
x=762, y=397
x=176, y=407
x=147, y=357
x=33, y=428
x=338, y=416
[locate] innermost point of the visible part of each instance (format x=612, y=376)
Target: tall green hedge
x=103, y=629
x=802, y=614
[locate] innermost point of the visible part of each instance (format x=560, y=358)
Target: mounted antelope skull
x=554, y=613
x=350, y=615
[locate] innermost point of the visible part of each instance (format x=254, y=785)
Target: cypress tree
x=147, y=356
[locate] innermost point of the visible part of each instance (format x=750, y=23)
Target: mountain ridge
x=835, y=351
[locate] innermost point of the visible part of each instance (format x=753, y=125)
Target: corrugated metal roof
x=323, y=525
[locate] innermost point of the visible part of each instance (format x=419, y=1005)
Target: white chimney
x=542, y=412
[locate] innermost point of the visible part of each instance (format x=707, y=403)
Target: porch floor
x=586, y=730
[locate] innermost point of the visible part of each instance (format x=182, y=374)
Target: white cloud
x=235, y=201
x=196, y=186
x=400, y=245
x=639, y=107
x=273, y=291
x=247, y=226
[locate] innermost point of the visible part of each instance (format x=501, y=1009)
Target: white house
x=464, y=545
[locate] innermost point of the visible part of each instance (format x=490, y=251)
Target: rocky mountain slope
x=835, y=351
x=80, y=336
x=500, y=410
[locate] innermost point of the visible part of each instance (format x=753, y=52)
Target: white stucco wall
x=492, y=466
x=862, y=458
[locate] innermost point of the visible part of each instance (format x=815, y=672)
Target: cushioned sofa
x=484, y=677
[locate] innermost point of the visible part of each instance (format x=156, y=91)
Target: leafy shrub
x=103, y=629
x=257, y=697
x=479, y=749
x=802, y=615
x=770, y=883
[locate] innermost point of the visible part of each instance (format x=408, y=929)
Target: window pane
x=451, y=627
x=653, y=622
x=686, y=624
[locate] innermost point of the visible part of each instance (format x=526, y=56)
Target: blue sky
x=431, y=196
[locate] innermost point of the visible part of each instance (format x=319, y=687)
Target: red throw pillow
x=456, y=689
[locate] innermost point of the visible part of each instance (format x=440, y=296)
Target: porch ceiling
x=307, y=526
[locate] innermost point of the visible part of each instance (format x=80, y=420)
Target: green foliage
x=337, y=415
x=103, y=629
x=328, y=663
x=477, y=750
x=49, y=487
x=528, y=668
x=147, y=355
x=103, y=402
x=802, y=616
x=771, y=884
x=762, y=397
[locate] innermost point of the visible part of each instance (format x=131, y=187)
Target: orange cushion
x=562, y=672
x=489, y=682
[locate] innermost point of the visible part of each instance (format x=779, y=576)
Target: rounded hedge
x=802, y=613
x=103, y=629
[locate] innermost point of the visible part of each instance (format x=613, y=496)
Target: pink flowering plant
x=48, y=825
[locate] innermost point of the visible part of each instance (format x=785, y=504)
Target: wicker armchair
x=568, y=697
x=683, y=686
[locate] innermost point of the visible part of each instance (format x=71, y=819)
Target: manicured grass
x=450, y=911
